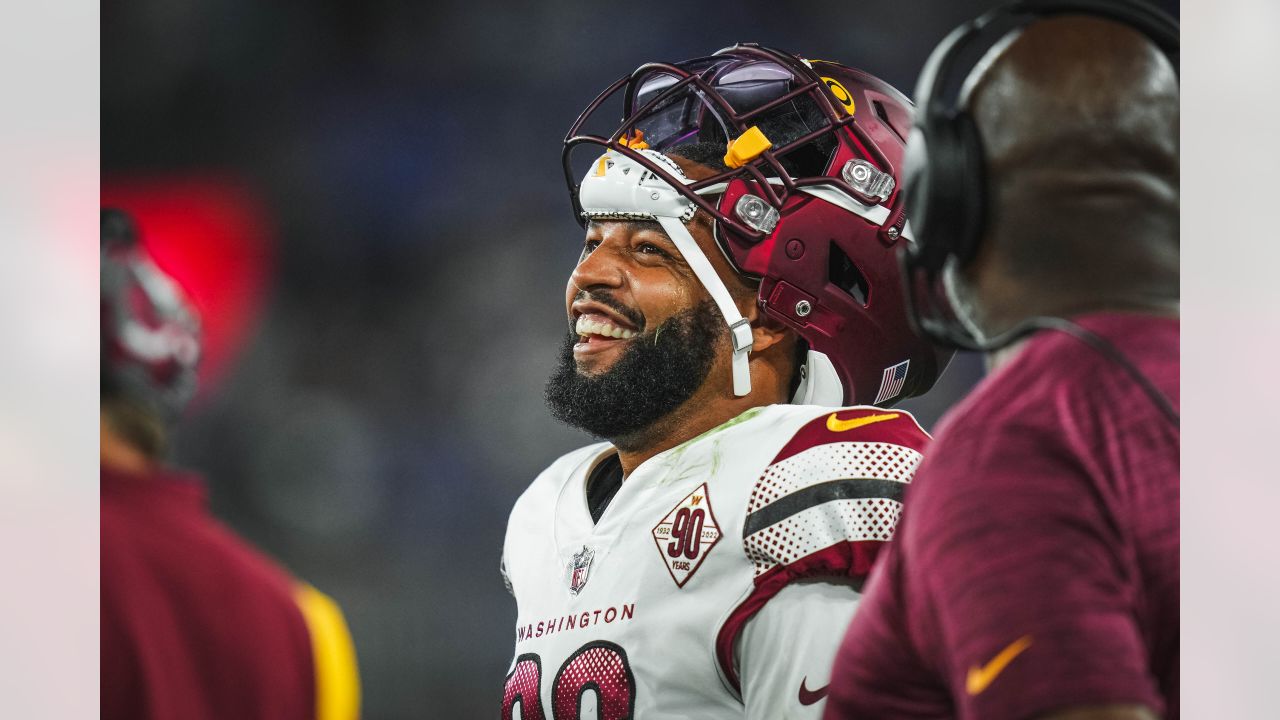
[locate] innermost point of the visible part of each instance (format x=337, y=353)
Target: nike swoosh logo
x=809, y=697
x=980, y=677
x=835, y=424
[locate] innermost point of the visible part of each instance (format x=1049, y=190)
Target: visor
x=752, y=92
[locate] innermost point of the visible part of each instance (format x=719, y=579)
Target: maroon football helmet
x=150, y=331
x=807, y=203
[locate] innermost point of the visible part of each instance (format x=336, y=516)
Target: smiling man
x=737, y=286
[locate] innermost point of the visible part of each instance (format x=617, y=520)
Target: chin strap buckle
x=741, y=333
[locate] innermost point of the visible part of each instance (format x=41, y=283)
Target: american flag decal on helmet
x=891, y=382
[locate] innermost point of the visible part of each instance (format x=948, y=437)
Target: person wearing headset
x=1035, y=571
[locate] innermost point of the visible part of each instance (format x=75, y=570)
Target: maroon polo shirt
x=1036, y=563
x=195, y=623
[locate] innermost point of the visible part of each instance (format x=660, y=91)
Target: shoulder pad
x=839, y=480
x=825, y=506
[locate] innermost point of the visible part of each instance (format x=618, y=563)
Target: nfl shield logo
x=579, y=568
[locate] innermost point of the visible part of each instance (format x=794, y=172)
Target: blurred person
x=737, y=286
x=1035, y=573
x=195, y=623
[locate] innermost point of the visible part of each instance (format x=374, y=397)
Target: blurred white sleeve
x=789, y=645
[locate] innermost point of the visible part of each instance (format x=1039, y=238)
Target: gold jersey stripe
x=337, y=679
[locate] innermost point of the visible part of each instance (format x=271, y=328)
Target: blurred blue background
x=385, y=408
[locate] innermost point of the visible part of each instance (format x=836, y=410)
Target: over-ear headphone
x=944, y=174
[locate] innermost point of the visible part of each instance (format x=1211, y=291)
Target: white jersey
x=656, y=611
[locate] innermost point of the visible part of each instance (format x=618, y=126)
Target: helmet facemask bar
x=767, y=172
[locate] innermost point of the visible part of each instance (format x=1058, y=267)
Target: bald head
x=1077, y=94
x=1079, y=122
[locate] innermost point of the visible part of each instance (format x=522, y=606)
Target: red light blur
x=213, y=236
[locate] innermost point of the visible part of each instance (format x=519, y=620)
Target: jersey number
x=686, y=531
x=599, y=666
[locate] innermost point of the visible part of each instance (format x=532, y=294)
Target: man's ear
x=766, y=331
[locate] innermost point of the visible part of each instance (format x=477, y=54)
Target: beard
x=657, y=373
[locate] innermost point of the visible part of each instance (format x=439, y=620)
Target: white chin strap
x=819, y=382
x=739, y=328
x=619, y=188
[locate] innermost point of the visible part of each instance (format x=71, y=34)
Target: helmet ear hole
x=883, y=114
x=845, y=275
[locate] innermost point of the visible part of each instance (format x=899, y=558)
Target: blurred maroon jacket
x=196, y=624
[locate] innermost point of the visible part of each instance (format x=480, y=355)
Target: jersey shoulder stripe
x=824, y=506
x=841, y=477
x=818, y=494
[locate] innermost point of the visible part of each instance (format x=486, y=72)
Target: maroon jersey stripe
x=863, y=424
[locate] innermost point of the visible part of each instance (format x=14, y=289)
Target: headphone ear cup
x=917, y=183
x=968, y=186
x=942, y=230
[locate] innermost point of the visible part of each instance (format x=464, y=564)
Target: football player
x=195, y=623
x=737, y=287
